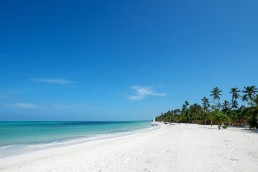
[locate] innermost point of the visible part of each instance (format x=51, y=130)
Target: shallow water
x=21, y=137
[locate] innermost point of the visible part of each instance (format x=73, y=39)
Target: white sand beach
x=179, y=147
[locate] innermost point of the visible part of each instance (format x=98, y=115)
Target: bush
x=225, y=127
x=220, y=118
x=252, y=118
x=253, y=121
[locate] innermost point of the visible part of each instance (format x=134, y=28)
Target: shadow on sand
x=250, y=130
x=210, y=128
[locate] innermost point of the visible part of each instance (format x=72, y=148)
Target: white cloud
x=24, y=105
x=54, y=81
x=64, y=106
x=140, y=92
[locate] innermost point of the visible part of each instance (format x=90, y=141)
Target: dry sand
x=180, y=147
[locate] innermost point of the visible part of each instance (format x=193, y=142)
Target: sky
x=121, y=60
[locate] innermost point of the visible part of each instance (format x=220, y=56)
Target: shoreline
x=15, y=159
x=18, y=149
x=179, y=147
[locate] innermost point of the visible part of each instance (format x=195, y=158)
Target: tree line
x=241, y=110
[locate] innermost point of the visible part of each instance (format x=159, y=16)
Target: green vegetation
x=225, y=127
x=229, y=112
x=220, y=118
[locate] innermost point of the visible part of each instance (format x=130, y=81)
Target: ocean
x=21, y=137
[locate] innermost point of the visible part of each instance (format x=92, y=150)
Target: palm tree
x=234, y=104
x=235, y=96
x=245, y=98
x=234, y=92
x=216, y=93
x=186, y=103
x=225, y=106
x=206, y=105
x=256, y=101
x=250, y=92
x=252, y=118
x=195, y=111
x=187, y=111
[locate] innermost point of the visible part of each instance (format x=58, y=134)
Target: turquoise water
x=20, y=137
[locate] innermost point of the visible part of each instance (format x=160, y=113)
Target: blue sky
x=121, y=60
